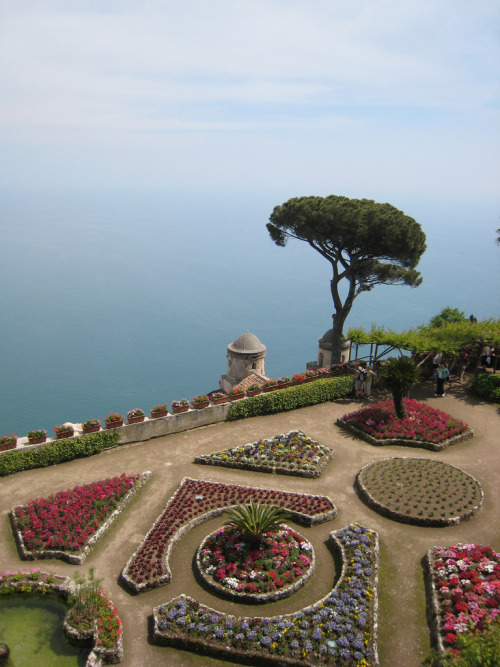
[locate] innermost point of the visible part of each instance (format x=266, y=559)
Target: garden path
x=403, y=639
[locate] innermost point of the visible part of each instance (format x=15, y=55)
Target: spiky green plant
x=398, y=375
x=255, y=519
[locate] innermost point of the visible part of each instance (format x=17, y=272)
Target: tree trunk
x=338, y=325
x=399, y=405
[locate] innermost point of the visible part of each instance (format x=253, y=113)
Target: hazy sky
x=311, y=97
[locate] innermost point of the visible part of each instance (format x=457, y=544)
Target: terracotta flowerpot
x=91, y=429
x=37, y=441
x=179, y=408
x=253, y=392
x=311, y=378
x=284, y=385
x=203, y=404
x=135, y=420
x=155, y=414
x=8, y=445
x=65, y=434
x=268, y=389
x=221, y=400
x=114, y=424
x=237, y=397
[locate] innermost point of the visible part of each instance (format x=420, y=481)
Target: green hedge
x=487, y=386
x=57, y=451
x=298, y=396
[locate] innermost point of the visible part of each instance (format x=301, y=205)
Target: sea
x=113, y=301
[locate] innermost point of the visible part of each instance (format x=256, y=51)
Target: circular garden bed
x=420, y=491
x=275, y=567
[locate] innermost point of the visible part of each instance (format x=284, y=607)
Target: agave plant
x=255, y=519
x=398, y=375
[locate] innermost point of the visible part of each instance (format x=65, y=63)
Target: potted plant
x=201, y=401
x=159, y=411
x=311, y=375
x=284, y=382
x=113, y=420
x=219, y=397
x=236, y=393
x=8, y=442
x=64, y=431
x=91, y=426
x=298, y=378
x=180, y=406
x=37, y=436
x=253, y=389
x=270, y=385
x=135, y=416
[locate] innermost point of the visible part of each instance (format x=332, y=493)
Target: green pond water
x=32, y=627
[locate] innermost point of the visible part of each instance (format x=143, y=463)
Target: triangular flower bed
x=196, y=501
x=67, y=524
x=424, y=427
x=292, y=453
x=339, y=629
x=464, y=588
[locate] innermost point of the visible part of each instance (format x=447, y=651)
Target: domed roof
x=327, y=337
x=247, y=343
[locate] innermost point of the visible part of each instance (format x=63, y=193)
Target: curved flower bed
x=105, y=636
x=281, y=564
x=420, y=491
x=424, y=427
x=196, y=501
x=340, y=628
x=464, y=589
x=69, y=523
x=292, y=453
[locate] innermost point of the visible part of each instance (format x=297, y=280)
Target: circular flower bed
x=275, y=568
x=424, y=427
x=420, y=491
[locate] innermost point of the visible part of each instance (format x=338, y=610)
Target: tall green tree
x=366, y=243
x=399, y=375
x=447, y=314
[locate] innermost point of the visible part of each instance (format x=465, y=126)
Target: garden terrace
x=420, y=491
x=291, y=453
x=425, y=426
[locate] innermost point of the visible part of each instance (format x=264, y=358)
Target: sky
x=384, y=99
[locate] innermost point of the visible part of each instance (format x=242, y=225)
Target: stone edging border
x=435, y=616
x=418, y=521
x=432, y=446
x=238, y=596
x=62, y=591
x=300, y=517
x=78, y=558
x=204, y=646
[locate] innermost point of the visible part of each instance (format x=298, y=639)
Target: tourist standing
x=369, y=380
x=442, y=375
x=359, y=378
x=435, y=363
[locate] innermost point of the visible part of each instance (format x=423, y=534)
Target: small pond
x=32, y=627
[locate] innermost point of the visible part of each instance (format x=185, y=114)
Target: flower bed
x=68, y=524
x=420, y=491
x=196, y=501
x=464, y=589
x=275, y=569
x=341, y=628
x=105, y=634
x=424, y=427
x=290, y=453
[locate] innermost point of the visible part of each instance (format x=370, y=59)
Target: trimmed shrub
x=57, y=451
x=487, y=386
x=298, y=396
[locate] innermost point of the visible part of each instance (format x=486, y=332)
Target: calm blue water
x=114, y=302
